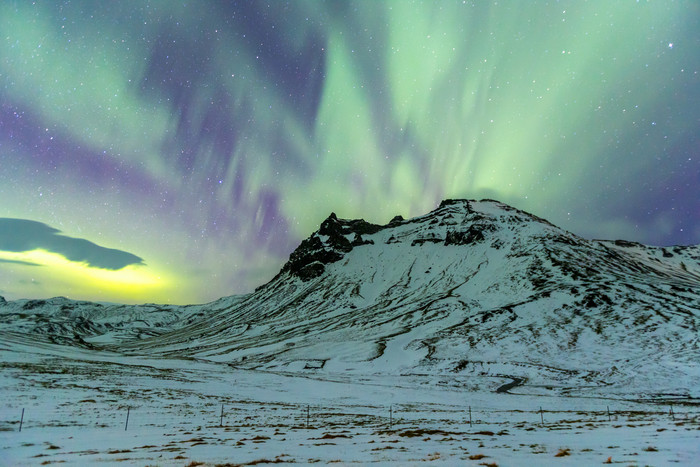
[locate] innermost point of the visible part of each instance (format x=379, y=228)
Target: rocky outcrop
x=334, y=239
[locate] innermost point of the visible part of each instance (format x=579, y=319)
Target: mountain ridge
x=470, y=288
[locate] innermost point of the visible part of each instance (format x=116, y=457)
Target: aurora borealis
x=208, y=138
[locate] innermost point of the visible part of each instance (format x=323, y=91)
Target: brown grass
x=333, y=436
x=563, y=452
x=276, y=460
x=476, y=457
x=422, y=432
x=193, y=440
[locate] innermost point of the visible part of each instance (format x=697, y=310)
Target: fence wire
x=184, y=415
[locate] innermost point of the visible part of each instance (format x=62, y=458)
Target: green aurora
x=210, y=137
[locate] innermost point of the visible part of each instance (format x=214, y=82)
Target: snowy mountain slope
x=87, y=324
x=472, y=288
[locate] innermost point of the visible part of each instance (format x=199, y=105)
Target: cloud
x=23, y=263
x=21, y=235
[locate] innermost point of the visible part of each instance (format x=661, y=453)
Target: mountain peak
x=453, y=222
x=455, y=202
x=334, y=238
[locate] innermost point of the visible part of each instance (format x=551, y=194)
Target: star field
x=201, y=141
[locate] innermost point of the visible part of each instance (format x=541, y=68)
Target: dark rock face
x=421, y=241
x=452, y=202
x=359, y=241
x=473, y=234
x=627, y=244
x=311, y=271
x=310, y=251
x=328, y=245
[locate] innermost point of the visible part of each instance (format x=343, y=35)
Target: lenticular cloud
x=22, y=235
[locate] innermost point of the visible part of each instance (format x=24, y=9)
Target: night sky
x=178, y=151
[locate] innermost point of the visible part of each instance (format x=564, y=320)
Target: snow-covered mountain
x=471, y=288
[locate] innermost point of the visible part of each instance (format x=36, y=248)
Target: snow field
x=75, y=414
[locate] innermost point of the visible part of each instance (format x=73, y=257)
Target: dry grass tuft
x=276, y=460
x=563, y=452
x=333, y=436
x=476, y=457
x=422, y=432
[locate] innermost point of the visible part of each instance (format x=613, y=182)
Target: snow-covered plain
x=374, y=344
x=75, y=413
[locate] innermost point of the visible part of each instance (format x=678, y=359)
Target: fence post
x=541, y=417
x=21, y=420
x=470, y=416
x=609, y=417
x=126, y=425
x=391, y=416
x=673, y=416
x=221, y=422
x=307, y=416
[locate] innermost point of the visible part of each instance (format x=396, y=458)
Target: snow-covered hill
x=471, y=288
